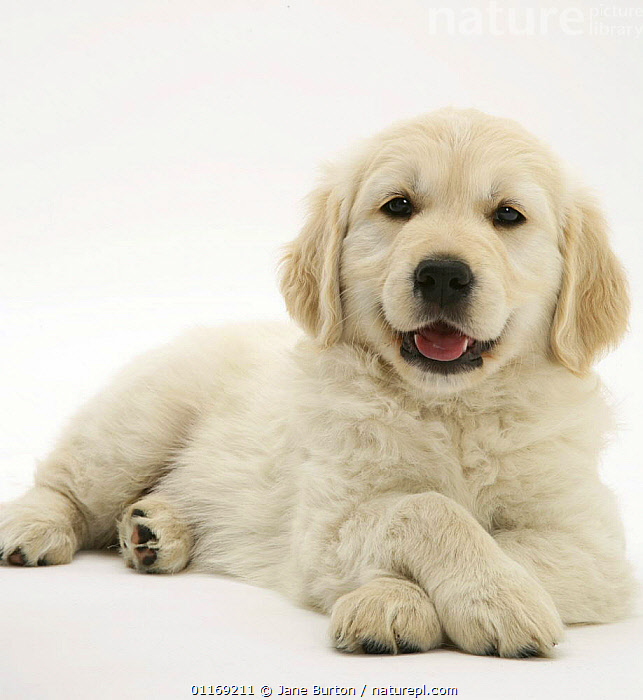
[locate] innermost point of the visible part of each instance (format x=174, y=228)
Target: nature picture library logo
x=497, y=20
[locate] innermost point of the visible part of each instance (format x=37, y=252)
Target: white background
x=154, y=160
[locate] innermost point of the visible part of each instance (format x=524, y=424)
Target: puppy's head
x=452, y=245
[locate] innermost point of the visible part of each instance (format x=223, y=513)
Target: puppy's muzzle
x=442, y=282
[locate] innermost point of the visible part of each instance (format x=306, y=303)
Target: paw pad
x=142, y=537
x=17, y=558
x=145, y=555
x=142, y=534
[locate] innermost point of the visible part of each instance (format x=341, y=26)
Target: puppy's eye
x=507, y=216
x=399, y=208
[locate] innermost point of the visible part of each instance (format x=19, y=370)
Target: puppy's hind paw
x=37, y=530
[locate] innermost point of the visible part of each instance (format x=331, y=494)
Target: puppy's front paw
x=153, y=539
x=385, y=616
x=503, y=613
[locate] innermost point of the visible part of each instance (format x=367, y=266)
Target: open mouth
x=443, y=349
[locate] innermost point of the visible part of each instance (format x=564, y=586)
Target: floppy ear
x=310, y=268
x=593, y=304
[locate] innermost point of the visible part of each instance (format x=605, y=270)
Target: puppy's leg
x=388, y=615
x=585, y=572
x=487, y=603
x=154, y=538
x=114, y=450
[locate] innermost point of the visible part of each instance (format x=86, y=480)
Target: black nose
x=443, y=281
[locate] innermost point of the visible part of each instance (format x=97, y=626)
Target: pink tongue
x=441, y=343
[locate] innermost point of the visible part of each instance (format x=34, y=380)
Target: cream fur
x=414, y=507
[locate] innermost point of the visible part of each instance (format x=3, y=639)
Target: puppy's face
x=451, y=265
x=451, y=246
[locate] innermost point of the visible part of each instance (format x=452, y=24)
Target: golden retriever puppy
x=422, y=463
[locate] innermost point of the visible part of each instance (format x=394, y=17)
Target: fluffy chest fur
x=494, y=450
